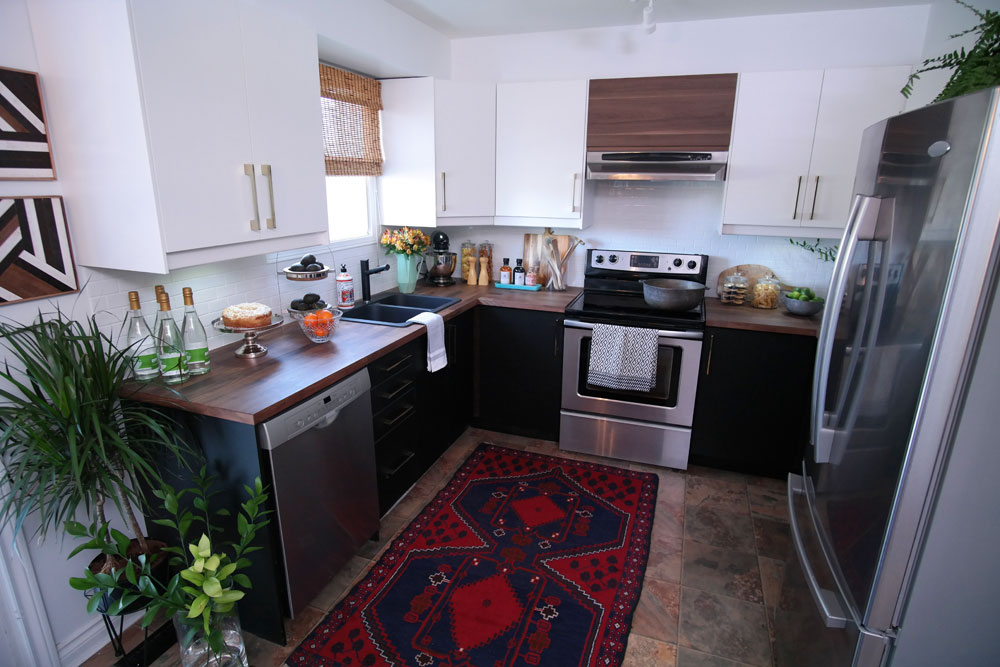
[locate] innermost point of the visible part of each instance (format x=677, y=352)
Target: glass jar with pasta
x=766, y=292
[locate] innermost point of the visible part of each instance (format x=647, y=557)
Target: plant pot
x=102, y=563
x=194, y=645
x=406, y=272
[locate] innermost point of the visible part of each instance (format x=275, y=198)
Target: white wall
x=685, y=217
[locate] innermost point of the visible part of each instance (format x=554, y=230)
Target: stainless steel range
x=648, y=427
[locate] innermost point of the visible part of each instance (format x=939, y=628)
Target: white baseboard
x=89, y=639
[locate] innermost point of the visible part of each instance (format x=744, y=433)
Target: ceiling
x=477, y=18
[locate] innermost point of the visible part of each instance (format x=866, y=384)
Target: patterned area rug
x=522, y=559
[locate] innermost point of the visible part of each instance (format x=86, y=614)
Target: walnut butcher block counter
x=758, y=319
x=250, y=391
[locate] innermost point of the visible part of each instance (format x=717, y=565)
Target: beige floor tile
x=645, y=652
x=665, y=559
x=658, y=611
x=717, y=494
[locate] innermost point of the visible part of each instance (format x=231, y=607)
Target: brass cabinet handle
x=255, y=220
x=798, y=189
x=389, y=395
x=812, y=213
x=572, y=201
x=444, y=193
x=405, y=412
x=389, y=369
x=265, y=169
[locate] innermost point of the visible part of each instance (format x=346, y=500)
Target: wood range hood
x=662, y=128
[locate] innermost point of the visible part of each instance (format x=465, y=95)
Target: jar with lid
x=486, y=259
x=469, y=262
x=765, y=292
x=734, y=289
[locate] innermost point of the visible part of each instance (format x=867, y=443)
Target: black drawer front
x=396, y=414
x=393, y=389
x=397, y=361
x=398, y=462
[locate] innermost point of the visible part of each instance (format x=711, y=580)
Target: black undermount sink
x=394, y=310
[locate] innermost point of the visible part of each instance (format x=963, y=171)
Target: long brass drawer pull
x=389, y=369
x=572, y=200
x=265, y=170
x=255, y=220
x=405, y=412
x=402, y=464
x=389, y=395
x=444, y=193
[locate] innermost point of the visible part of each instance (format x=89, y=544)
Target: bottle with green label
x=170, y=346
x=140, y=342
x=195, y=338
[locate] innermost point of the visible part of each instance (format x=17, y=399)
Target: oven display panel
x=644, y=261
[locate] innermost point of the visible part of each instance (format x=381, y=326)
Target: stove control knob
x=599, y=259
x=692, y=264
x=677, y=262
x=613, y=258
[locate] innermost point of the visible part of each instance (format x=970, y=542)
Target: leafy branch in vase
x=828, y=253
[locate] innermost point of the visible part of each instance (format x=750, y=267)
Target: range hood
x=657, y=165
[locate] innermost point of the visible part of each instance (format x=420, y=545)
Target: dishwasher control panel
x=313, y=412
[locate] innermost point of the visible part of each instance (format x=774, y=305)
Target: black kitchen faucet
x=366, y=273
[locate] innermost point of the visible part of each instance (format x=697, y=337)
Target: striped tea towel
x=623, y=358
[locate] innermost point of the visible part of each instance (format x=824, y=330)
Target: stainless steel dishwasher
x=322, y=460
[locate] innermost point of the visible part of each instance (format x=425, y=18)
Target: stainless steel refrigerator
x=894, y=517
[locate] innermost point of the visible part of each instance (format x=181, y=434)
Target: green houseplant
x=204, y=589
x=68, y=443
x=975, y=69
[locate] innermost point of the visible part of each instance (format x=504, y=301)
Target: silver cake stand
x=251, y=346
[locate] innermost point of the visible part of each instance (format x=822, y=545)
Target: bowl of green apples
x=802, y=301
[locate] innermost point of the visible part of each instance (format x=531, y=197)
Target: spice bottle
x=531, y=277
x=506, y=273
x=519, y=272
x=765, y=292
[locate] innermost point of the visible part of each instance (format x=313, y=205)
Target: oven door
x=670, y=402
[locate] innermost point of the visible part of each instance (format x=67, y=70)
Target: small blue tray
x=530, y=288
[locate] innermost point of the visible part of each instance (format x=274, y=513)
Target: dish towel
x=437, y=356
x=623, y=358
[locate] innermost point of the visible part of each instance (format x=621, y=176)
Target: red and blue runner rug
x=522, y=559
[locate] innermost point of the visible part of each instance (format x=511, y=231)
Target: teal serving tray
x=530, y=288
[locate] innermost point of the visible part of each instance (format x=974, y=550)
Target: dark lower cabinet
x=752, y=410
x=519, y=371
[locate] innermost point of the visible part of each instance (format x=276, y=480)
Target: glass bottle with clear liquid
x=170, y=346
x=195, y=338
x=140, y=342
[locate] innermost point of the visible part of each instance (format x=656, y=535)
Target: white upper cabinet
x=439, y=140
x=541, y=138
x=208, y=129
x=795, y=143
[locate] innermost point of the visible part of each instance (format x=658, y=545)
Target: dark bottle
x=519, y=272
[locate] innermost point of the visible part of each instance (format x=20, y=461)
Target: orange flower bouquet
x=408, y=245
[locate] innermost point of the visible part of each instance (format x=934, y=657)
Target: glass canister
x=765, y=292
x=468, y=260
x=734, y=289
x=486, y=258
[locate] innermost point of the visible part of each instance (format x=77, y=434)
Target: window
x=352, y=148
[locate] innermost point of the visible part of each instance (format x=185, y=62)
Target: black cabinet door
x=519, y=371
x=752, y=409
x=446, y=400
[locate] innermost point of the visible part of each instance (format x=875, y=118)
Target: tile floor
x=711, y=584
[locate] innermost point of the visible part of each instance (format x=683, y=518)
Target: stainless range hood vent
x=657, y=166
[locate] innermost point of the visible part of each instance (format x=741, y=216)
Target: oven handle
x=692, y=335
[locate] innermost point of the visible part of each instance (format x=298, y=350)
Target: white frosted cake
x=246, y=315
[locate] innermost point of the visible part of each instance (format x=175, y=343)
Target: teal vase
x=406, y=272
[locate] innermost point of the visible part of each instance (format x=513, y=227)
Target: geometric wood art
x=36, y=260
x=25, y=153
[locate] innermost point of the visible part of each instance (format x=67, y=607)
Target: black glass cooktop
x=630, y=309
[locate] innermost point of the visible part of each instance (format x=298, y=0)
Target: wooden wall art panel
x=25, y=152
x=36, y=260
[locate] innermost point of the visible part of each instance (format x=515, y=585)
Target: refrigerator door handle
x=826, y=600
x=861, y=223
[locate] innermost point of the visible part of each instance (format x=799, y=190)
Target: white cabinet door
x=195, y=110
x=773, y=128
x=408, y=182
x=286, y=127
x=465, y=142
x=852, y=100
x=541, y=146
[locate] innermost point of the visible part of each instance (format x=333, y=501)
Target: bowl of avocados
x=307, y=268
x=802, y=301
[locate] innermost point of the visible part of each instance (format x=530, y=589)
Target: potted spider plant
x=69, y=444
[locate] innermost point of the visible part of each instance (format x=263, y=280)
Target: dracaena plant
x=207, y=579
x=69, y=444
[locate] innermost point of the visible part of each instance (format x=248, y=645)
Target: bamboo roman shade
x=351, y=141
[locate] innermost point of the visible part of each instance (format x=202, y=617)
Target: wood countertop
x=757, y=319
x=251, y=391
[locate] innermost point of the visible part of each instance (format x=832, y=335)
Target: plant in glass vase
x=408, y=245
x=201, y=595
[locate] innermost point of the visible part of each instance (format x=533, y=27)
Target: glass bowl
x=317, y=324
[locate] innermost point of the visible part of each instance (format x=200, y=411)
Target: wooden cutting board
x=753, y=273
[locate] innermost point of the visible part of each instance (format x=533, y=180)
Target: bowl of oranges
x=318, y=324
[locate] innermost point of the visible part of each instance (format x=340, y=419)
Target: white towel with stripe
x=437, y=355
x=623, y=358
